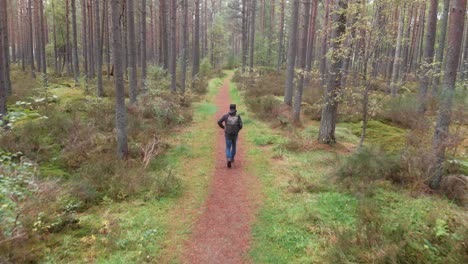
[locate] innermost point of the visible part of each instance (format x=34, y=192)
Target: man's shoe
x=229, y=164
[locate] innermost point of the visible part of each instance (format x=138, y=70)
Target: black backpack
x=232, y=125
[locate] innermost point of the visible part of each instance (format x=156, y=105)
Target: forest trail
x=222, y=234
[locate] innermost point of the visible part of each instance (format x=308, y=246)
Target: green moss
x=390, y=138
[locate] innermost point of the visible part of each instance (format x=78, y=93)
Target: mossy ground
x=308, y=216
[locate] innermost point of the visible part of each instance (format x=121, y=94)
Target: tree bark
x=132, y=65
x=4, y=73
x=173, y=48
x=288, y=90
x=323, y=53
x=42, y=37
x=428, y=54
x=76, y=64
x=184, y=46
x=100, y=90
x=302, y=63
x=280, y=39
x=441, y=47
x=143, y=41
x=244, y=35
x=252, y=36
x=84, y=37
x=196, y=43
x=120, y=110
x=397, y=59
x=31, y=39
x=332, y=94
x=456, y=25
x=5, y=48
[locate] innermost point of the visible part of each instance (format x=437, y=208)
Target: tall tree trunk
x=441, y=47
x=456, y=24
x=54, y=34
x=196, y=43
x=464, y=66
x=332, y=94
x=37, y=34
x=84, y=37
x=4, y=72
x=42, y=37
x=143, y=40
x=5, y=48
x=184, y=45
x=280, y=38
x=252, y=36
x=323, y=53
x=100, y=90
x=397, y=60
x=91, y=49
x=428, y=54
x=288, y=90
x=131, y=52
x=244, y=34
x=302, y=63
x=67, y=38
x=311, y=41
x=120, y=110
x=164, y=37
x=31, y=39
x=173, y=48
x=76, y=64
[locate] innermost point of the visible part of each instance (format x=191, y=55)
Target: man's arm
x=240, y=123
x=221, y=120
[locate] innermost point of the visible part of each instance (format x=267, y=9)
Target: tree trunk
x=67, y=40
x=464, y=66
x=31, y=39
x=100, y=90
x=120, y=110
x=42, y=37
x=244, y=34
x=311, y=42
x=131, y=52
x=441, y=47
x=252, y=36
x=280, y=39
x=196, y=43
x=456, y=24
x=428, y=54
x=288, y=90
x=54, y=34
x=76, y=65
x=184, y=45
x=302, y=63
x=323, y=53
x=4, y=73
x=84, y=37
x=164, y=37
x=332, y=94
x=397, y=60
x=4, y=47
x=143, y=41
x=173, y=48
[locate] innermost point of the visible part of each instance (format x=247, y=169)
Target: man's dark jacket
x=224, y=118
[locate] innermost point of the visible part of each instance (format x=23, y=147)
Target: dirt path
x=222, y=233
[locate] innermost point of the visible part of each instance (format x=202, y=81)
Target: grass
x=141, y=228
x=308, y=216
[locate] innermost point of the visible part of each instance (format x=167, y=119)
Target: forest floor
x=276, y=205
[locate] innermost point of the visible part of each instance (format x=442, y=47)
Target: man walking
x=232, y=125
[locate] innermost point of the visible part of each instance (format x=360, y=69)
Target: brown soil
x=222, y=234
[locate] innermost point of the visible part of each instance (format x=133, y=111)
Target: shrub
x=367, y=164
x=205, y=68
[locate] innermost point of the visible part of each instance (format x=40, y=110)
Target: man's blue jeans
x=231, y=147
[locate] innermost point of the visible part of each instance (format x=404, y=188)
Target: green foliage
x=205, y=68
x=367, y=164
x=17, y=184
